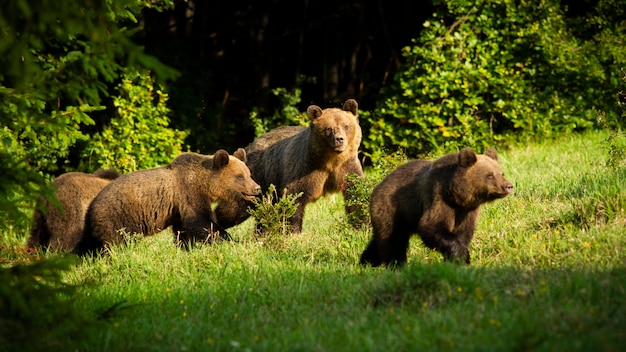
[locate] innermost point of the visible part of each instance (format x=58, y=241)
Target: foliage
x=57, y=59
x=483, y=72
x=36, y=307
x=272, y=213
x=359, y=189
x=286, y=114
x=138, y=137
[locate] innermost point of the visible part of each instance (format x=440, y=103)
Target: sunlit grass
x=547, y=273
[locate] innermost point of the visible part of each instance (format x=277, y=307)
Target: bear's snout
x=255, y=191
x=506, y=189
x=338, y=142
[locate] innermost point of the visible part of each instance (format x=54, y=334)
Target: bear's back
x=402, y=191
x=142, y=186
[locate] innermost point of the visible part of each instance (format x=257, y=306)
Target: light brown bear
x=310, y=160
x=438, y=200
x=60, y=229
x=180, y=195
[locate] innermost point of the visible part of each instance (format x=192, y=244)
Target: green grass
x=548, y=272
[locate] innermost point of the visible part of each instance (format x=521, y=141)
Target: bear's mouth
x=340, y=148
x=249, y=197
x=504, y=192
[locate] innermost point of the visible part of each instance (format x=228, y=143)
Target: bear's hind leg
x=389, y=250
x=370, y=255
x=394, y=250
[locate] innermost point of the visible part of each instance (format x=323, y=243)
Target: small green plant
x=358, y=190
x=272, y=214
x=616, y=141
x=616, y=149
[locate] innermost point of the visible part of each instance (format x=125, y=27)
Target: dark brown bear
x=180, y=195
x=438, y=200
x=313, y=160
x=60, y=229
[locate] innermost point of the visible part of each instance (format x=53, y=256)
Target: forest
x=129, y=84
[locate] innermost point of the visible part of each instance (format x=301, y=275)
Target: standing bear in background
x=438, y=200
x=180, y=195
x=313, y=160
x=60, y=229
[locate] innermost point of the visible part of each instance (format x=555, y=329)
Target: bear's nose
x=508, y=188
x=257, y=189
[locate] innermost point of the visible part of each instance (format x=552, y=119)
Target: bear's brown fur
x=180, y=195
x=313, y=160
x=438, y=200
x=60, y=229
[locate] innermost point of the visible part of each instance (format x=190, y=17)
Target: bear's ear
x=314, y=112
x=240, y=154
x=491, y=152
x=220, y=159
x=351, y=106
x=467, y=157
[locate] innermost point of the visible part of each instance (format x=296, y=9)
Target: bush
x=286, y=114
x=139, y=136
x=484, y=72
x=359, y=188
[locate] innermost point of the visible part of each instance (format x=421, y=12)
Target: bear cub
x=60, y=229
x=439, y=200
x=181, y=194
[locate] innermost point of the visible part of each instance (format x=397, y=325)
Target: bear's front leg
x=452, y=246
x=456, y=253
x=202, y=230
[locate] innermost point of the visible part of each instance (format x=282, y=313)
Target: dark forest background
x=231, y=54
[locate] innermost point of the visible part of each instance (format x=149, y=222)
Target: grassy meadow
x=548, y=272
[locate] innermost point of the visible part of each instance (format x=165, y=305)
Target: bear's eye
x=239, y=177
x=490, y=176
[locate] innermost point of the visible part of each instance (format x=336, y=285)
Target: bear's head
x=338, y=127
x=231, y=176
x=478, y=179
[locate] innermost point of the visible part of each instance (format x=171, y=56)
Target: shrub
x=484, y=72
x=139, y=136
x=359, y=188
x=272, y=214
x=286, y=114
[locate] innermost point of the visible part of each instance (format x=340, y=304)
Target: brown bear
x=180, y=194
x=60, y=229
x=310, y=160
x=438, y=200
